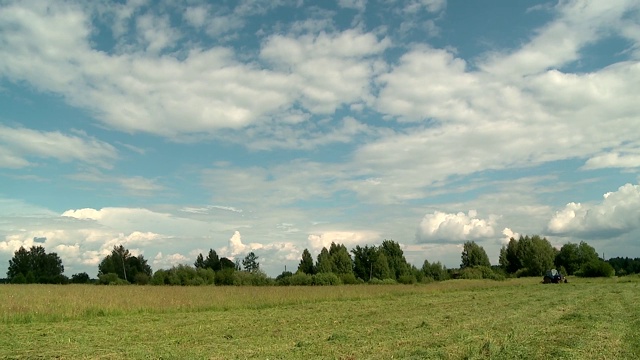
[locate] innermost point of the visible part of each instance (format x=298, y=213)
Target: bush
x=471, y=273
x=348, y=279
x=407, y=279
x=141, y=278
x=300, y=279
x=376, y=281
x=224, y=276
x=111, y=279
x=244, y=278
x=179, y=275
x=323, y=279
x=19, y=279
x=159, y=277
x=480, y=272
x=595, y=268
x=80, y=278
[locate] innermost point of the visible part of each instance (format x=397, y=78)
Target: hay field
x=457, y=319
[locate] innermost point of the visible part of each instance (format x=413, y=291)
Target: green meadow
x=455, y=319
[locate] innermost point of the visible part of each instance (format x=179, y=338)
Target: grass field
x=457, y=319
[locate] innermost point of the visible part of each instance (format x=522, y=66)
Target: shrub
x=160, y=277
x=348, y=279
x=480, y=272
x=323, y=279
x=19, y=279
x=471, y=273
x=284, y=279
x=301, y=279
x=243, y=278
x=111, y=279
x=407, y=279
x=141, y=278
x=595, y=268
x=224, y=276
x=80, y=278
x=376, y=281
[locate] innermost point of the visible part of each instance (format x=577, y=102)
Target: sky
x=173, y=127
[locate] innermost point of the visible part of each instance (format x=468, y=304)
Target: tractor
x=553, y=276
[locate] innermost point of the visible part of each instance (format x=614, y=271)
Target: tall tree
x=306, y=263
x=380, y=268
x=36, y=265
x=341, y=262
x=199, y=263
x=250, y=263
x=513, y=261
x=474, y=255
x=363, y=258
x=574, y=256
x=123, y=264
x=398, y=265
x=536, y=255
x=212, y=261
x=323, y=262
x=226, y=263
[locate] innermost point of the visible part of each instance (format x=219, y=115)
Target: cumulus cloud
x=441, y=227
x=347, y=238
x=508, y=234
x=617, y=214
x=269, y=253
x=161, y=261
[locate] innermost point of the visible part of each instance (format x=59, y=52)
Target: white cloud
x=328, y=69
x=613, y=160
x=359, y=5
x=579, y=23
x=508, y=234
x=348, y=238
x=617, y=214
x=441, y=227
x=156, y=33
x=161, y=261
x=196, y=15
x=18, y=145
x=272, y=254
x=414, y=6
x=134, y=91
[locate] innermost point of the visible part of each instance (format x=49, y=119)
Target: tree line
x=374, y=264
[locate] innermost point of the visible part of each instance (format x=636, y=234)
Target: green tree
x=212, y=261
x=536, y=255
x=363, y=258
x=124, y=265
x=341, y=262
x=198, y=264
x=511, y=262
x=250, y=263
x=80, y=278
x=574, y=256
x=435, y=271
x=226, y=263
x=36, y=266
x=474, y=255
x=306, y=263
x=398, y=265
x=380, y=269
x=323, y=262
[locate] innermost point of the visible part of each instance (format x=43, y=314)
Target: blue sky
x=274, y=126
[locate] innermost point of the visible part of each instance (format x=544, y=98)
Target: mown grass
x=462, y=319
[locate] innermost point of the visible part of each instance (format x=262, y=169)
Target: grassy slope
x=516, y=319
